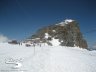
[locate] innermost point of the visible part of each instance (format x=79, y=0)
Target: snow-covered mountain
x=67, y=33
x=19, y=58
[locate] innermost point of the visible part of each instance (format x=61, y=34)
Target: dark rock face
x=68, y=34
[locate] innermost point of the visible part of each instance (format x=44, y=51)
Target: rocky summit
x=67, y=32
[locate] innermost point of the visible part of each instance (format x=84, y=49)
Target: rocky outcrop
x=68, y=33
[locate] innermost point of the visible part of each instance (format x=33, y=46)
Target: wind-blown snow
x=47, y=59
x=3, y=38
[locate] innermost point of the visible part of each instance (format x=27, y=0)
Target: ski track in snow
x=48, y=59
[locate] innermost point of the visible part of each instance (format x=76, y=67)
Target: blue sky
x=20, y=18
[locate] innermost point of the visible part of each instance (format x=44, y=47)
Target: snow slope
x=46, y=59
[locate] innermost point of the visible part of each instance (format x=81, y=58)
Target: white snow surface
x=46, y=35
x=66, y=21
x=55, y=42
x=46, y=59
x=54, y=30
